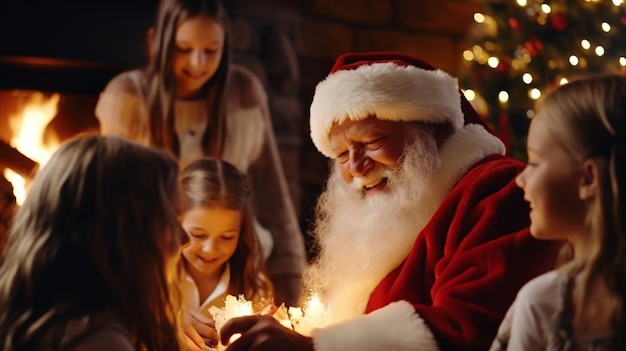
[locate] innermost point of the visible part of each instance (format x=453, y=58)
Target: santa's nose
x=359, y=163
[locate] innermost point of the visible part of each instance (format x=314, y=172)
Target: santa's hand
x=199, y=329
x=263, y=333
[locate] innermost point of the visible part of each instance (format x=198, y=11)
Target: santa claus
x=422, y=234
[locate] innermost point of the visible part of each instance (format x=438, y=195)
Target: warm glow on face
x=28, y=129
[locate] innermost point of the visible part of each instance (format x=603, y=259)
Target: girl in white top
x=192, y=101
x=223, y=254
x=575, y=184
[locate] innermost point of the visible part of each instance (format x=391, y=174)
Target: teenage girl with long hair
x=92, y=254
x=574, y=182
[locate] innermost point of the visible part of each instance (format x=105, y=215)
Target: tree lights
x=522, y=48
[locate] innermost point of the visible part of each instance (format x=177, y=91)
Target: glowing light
x=18, y=183
x=468, y=55
x=234, y=338
x=313, y=315
x=470, y=95
x=479, y=54
x=618, y=2
x=527, y=78
x=522, y=2
x=493, y=62
x=585, y=44
x=314, y=305
x=606, y=27
x=534, y=93
x=546, y=8
x=622, y=61
x=563, y=81
x=479, y=17
x=503, y=96
x=526, y=58
x=573, y=60
x=599, y=50
x=28, y=129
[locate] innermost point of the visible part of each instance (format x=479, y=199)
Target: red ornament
x=513, y=23
x=558, y=20
x=528, y=45
x=537, y=43
x=504, y=65
x=533, y=46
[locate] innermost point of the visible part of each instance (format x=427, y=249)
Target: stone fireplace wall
x=290, y=44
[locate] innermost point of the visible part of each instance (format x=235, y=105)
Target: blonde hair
x=587, y=117
x=95, y=234
x=209, y=182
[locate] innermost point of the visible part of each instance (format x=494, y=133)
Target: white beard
x=361, y=239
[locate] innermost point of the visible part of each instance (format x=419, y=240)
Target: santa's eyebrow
x=364, y=130
x=361, y=132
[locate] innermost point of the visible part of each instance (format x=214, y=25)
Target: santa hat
x=391, y=86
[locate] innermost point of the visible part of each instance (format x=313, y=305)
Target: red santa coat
x=461, y=275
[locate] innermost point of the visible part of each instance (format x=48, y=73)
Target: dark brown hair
x=161, y=82
x=97, y=233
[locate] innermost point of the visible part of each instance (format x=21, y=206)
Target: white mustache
x=371, y=178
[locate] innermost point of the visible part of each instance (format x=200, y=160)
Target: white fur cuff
x=394, y=327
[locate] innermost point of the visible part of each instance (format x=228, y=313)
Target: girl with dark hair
x=92, y=254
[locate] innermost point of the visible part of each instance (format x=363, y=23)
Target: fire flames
x=28, y=128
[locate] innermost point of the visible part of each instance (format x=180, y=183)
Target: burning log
x=11, y=158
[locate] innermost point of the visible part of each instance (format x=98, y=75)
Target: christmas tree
x=520, y=49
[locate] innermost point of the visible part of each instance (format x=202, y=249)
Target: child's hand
x=199, y=330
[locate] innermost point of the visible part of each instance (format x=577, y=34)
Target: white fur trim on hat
x=394, y=327
x=387, y=90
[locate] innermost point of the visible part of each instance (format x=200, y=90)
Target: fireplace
x=63, y=54
x=43, y=102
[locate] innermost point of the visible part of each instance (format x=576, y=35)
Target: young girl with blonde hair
x=574, y=182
